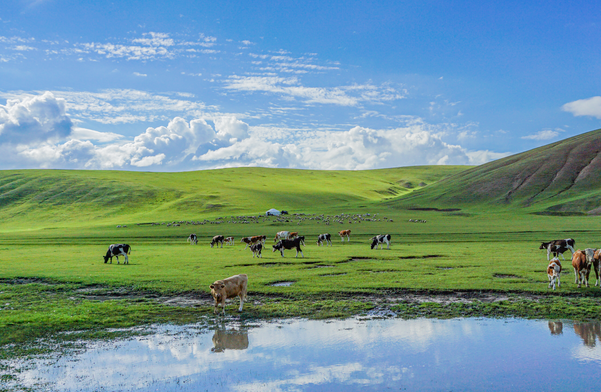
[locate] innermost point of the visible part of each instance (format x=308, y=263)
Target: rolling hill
x=559, y=178
x=59, y=198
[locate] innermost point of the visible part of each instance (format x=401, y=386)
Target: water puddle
x=335, y=355
x=282, y=284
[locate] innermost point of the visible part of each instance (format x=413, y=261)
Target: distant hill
x=53, y=198
x=559, y=178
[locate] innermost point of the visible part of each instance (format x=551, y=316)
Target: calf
x=324, y=239
x=116, y=250
x=380, y=239
x=229, y=240
x=193, y=239
x=581, y=268
x=228, y=288
x=218, y=239
x=553, y=271
x=290, y=244
x=256, y=249
x=345, y=233
x=557, y=247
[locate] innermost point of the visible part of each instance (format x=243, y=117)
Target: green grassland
x=56, y=226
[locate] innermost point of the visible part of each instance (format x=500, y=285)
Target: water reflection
x=460, y=354
x=224, y=339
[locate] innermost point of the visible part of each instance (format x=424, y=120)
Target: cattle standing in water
x=290, y=244
x=324, y=239
x=218, y=239
x=116, y=250
x=553, y=272
x=345, y=233
x=381, y=240
x=193, y=239
x=228, y=288
x=256, y=249
x=557, y=247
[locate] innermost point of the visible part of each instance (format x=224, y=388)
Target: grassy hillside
x=562, y=177
x=59, y=198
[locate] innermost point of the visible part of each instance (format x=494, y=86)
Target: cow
x=253, y=240
x=593, y=257
x=581, y=268
x=116, y=250
x=292, y=235
x=229, y=240
x=193, y=239
x=256, y=249
x=290, y=244
x=229, y=288
x=553, y=271
x=324, y=239
x=218, y=239
x=281, y=235
x=380, y=239
x=557, y=247
x=345, y=233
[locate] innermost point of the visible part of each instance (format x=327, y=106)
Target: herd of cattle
x=583, y=262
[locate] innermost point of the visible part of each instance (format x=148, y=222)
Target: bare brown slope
x=563, y=176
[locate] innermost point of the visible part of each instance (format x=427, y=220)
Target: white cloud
x=34, y=119
x=545, y=134
x=140, y=74
x=584, y=107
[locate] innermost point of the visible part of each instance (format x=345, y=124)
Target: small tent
x=273, y=212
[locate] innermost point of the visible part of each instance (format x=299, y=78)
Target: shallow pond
x=340, y=355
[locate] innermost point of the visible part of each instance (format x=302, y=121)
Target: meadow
x=473, y=261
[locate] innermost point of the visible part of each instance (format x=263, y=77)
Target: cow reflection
x=589, y=332
x=556, y=327
x=229, y=340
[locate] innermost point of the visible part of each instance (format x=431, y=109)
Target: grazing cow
x=581, y=268
x=324, y=239
x=193, y=239
x=380, y=239
x=253, y=240
x=553, y=271
x=345, y=233
x=290, y=244
x=557, y=247
x=229, y=240
x=218, y=239
x=281, y=235
x=229, y=288
x=116, y=250
x=256, y=249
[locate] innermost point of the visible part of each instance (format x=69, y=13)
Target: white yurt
x=273, y=212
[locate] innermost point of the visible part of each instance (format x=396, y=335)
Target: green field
x=56, y=226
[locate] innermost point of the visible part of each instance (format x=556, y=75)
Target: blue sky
x=187, y=85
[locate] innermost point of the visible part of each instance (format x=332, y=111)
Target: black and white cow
x=557, y=247
x=193, y=239
x=290, y=244
x=218, y=239
x=116, y=250
x=324, y=239
x=256, y=249
x=380, y=239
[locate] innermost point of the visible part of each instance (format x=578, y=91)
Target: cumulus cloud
x=36, y=132
x=34, y=119
x=584, y=107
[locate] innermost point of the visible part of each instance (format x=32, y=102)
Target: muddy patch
x=420, y=257
x=335, y=274
x=320, y=266
x=507, y=276
x=354, y=259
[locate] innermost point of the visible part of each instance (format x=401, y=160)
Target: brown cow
x=553, y=271
x=253, y=240
x=229, y=240
x=345, y=233
x=581, y=268
x=228, y=288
